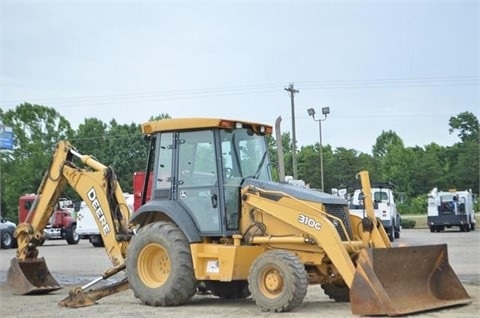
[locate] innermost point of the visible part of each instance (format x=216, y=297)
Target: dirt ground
x=125, y=305
x=79, y=264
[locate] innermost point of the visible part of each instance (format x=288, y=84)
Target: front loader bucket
x=30, y=277
x=402, y=280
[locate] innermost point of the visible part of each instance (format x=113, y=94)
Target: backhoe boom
x=97, y=185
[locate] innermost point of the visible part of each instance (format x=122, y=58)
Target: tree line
x=413, y=170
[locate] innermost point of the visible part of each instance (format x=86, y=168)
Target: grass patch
x=421, y=219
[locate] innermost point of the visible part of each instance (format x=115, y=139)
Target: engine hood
x=305, y=194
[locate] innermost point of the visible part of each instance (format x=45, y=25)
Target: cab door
x=198, y=179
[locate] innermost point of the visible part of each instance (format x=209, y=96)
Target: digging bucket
x=31, y=277
x=402, y=280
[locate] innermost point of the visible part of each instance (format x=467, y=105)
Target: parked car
x=6, y=234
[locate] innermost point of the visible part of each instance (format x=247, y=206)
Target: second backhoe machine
x=214, y=216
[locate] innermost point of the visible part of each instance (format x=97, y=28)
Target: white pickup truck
x=87, y=227
x=384, y=207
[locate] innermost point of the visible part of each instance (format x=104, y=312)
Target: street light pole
x=325, y=112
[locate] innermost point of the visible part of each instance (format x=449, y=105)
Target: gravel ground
x=79, y=264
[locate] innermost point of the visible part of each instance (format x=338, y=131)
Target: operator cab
x=200, y=169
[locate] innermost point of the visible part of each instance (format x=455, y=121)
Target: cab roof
x=176, y=124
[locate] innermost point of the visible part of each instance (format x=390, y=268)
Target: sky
x=404, y=66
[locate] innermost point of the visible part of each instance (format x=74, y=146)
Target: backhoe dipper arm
x=29, y=234
x=97, y=185
x=98, y=188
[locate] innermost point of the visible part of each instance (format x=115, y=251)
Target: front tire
x=277, y=281
x=72, y=235
x=96, y=241
x=397, y=230
x=159, y=265
x=391, y=234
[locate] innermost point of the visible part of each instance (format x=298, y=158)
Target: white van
x=384, y=207
x=87, y=227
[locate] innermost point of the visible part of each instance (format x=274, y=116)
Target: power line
x=389, y=82
x=254, y=89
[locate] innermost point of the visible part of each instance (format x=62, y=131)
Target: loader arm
x=374, y=234
x=311, y=223
x=312, y=220
x=423, y=278
x=97, y=185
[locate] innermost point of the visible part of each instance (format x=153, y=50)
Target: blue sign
x=6, y=137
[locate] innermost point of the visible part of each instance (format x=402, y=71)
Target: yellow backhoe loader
x=215, y=217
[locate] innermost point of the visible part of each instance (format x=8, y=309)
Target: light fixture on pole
x=325, y=112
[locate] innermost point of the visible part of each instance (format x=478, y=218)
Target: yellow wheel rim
x=271, y=284
x=153, y=265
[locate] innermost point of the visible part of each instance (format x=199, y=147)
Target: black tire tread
x=339, y=293
x=71, y=239
x=7, y=243
x=229, y=290
x=296, y=270
x=181, y=284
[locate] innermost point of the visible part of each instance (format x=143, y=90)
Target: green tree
x=160, y=116
x=127, y=152
x=466, y=125
x=308, y=166
x=465, y=169
x=118, y=146
x=384, y=142
x=90, y=138
x=464, y=157
x=429, y=169
x=345, y=165
x=287, y=153
x=36, y=130
x=395, y=161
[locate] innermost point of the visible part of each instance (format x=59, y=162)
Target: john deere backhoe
x=215, y=217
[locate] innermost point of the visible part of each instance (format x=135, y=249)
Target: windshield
x=244, y=154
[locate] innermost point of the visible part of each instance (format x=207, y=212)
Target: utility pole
x=292, y=92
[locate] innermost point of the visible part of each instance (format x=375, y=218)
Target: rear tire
x=339, y=293
x=278, y=281
x=237, y=289
x=159, y=265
